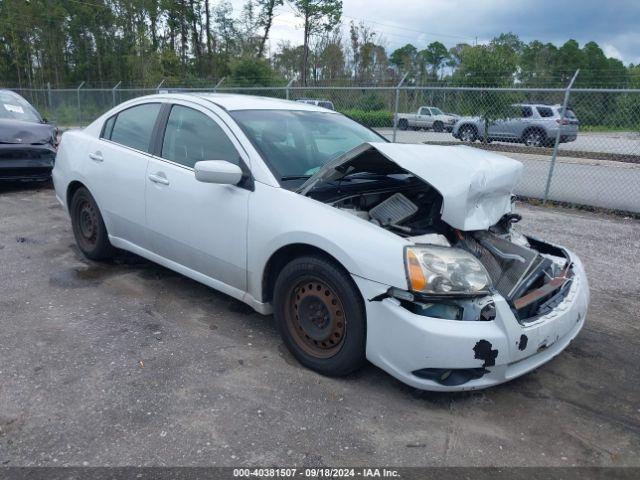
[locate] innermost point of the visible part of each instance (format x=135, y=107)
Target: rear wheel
x=88, y=227
x=468, y=134
x=403, y=124
x=438, y=127
x=320, y=315
x=534, y=138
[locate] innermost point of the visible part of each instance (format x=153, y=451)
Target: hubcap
x=534, y=139
x=467, y=135
x=88, y=222
x=316, y=318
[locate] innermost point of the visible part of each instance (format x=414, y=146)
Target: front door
x=201, y=226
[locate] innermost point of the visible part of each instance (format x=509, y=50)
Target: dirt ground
x=128, y=363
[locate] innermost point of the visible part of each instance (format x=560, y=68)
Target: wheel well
x=72, y=189
x=284, y=255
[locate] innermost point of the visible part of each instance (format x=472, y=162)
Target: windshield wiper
x=294, y=177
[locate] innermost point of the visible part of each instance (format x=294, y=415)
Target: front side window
x=133, y=127
x=296, y=144
x=436, y=111
x=191, y=136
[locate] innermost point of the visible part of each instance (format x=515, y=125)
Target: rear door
x=201, y=226
x=116, y=170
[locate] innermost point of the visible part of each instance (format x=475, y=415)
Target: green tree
x=317, y=16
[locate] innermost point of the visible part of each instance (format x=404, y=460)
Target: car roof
x=234, y=101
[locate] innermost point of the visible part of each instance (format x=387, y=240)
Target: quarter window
x=191, y=136
x=133, y=127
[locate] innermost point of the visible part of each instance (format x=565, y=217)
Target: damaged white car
x=405, y=255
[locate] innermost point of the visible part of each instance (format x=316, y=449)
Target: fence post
x=113, y=93
x=557, y=142
x=395, y=113
x=159, y=85
x=288, y=87
x=49, y=95
x=215, y=89
x=79, y=110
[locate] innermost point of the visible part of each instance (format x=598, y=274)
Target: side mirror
x=217, y=171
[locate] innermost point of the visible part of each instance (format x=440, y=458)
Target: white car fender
x=279, y=218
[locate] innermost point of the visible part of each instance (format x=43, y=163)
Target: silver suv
x=533, y=124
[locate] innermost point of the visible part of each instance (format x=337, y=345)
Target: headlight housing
x=445, y=271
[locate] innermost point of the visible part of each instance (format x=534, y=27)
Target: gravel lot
x=128, y=363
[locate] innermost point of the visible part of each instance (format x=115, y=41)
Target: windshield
x=13, y=106
x=296, y=144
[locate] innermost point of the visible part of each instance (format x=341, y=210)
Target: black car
x=27, y=142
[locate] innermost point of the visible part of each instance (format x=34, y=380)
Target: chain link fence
x=588, y=154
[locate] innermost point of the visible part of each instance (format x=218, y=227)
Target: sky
x=613, y=24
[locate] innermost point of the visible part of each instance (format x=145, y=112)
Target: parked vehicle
x=535, y=125
x=328, y=104
x=27, y=142
x=427, y=118
x=405, y=255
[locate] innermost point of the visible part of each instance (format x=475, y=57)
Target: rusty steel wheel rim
x=316, y=318
x=87, y=223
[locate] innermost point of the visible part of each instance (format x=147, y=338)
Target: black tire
x=468, y=133
x=88, y=227
x=320, y=315
x=403, y=124
x=534, y=138
x=438, y=127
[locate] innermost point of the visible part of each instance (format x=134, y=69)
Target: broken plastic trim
x=450, y=377
x=445, y=307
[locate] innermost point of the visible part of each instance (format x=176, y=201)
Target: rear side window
x=191, y=136
x=133, y=127
x=527, y=112
x=545, y=112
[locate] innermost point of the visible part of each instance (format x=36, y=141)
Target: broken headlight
x=445, y=271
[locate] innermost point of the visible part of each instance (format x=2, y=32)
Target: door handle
x=96, y=157
x=159, y=179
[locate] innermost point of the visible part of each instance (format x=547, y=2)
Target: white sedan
x=405, y=255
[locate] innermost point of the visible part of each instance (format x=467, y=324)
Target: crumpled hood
x=475, y=185
x=27, y=133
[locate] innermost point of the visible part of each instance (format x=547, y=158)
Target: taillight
x=562, y=121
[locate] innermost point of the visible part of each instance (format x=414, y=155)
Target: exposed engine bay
x=531, y=275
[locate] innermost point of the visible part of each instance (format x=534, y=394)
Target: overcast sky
x=614, y=24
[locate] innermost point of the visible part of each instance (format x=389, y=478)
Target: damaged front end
x=459, y=200
x=464, y=261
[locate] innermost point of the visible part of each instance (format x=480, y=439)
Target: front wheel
x=320, y=315
x=88, y=227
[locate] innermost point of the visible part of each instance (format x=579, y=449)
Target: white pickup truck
x=427, y=118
